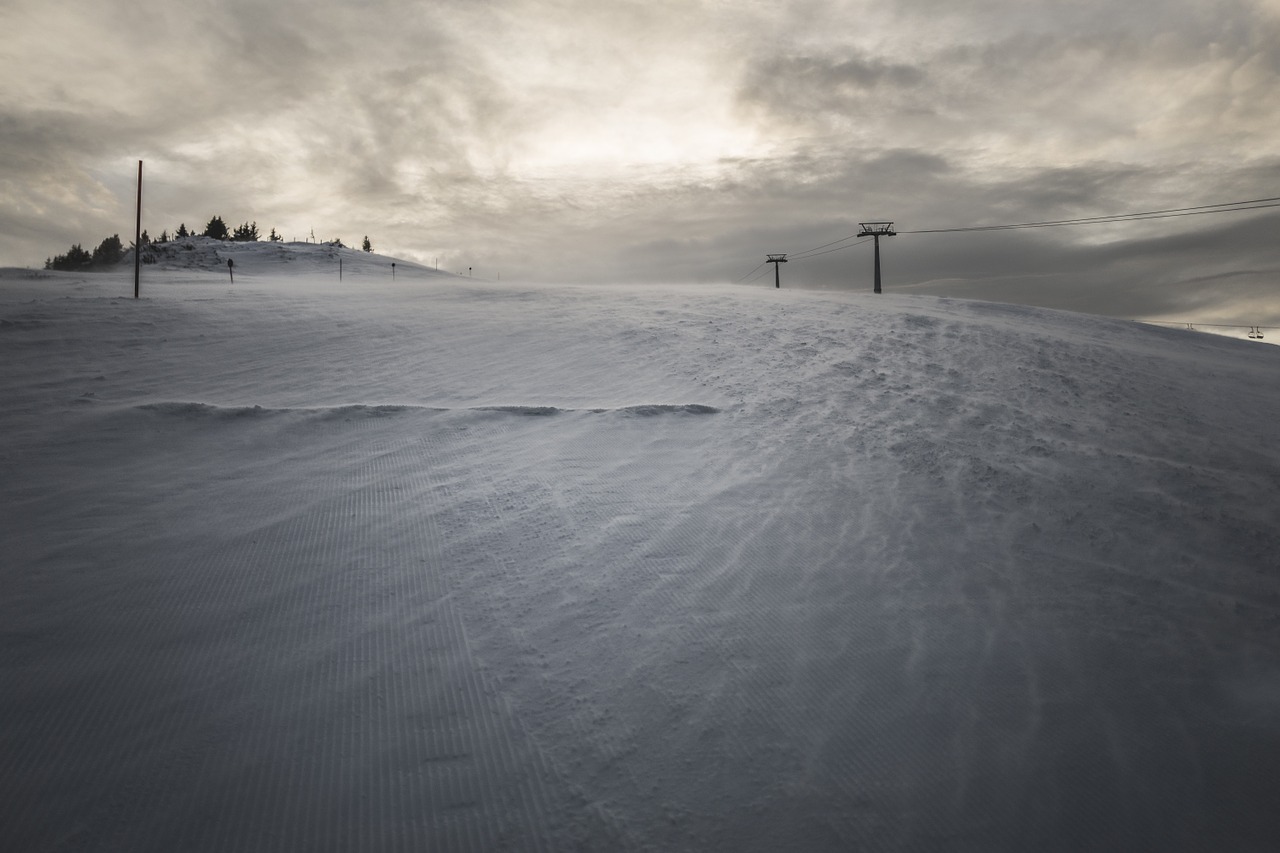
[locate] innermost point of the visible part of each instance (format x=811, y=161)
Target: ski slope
x=438, y=564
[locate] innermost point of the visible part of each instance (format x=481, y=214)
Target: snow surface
x=301, y=564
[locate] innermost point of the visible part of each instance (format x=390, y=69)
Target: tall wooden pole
x=137, y=237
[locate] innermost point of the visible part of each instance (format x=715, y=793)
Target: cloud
x=813, y=90
x=662, y=140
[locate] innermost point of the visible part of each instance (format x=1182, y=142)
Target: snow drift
x=435, y=564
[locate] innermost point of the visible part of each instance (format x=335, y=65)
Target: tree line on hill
x=110, y=251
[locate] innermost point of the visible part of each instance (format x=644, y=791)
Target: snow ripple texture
x=360, y=409
x=911, y=574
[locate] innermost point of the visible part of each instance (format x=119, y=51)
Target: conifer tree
x=109, y=251
x=217, y=229
x=366, y=245
x=76, y=258
x=246, y=233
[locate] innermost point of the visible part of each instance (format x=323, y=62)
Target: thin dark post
x=775, y=260
x=137, y=238
x=876, y=230
x=393, y=270
x=877, y=290
x=339, y=269
x=230, y=272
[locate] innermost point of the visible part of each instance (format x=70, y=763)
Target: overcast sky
x=671, y=140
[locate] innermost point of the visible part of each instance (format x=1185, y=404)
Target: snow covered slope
x=297, y=564
x=257, y=257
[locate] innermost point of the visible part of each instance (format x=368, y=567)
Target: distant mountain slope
x=472, y=567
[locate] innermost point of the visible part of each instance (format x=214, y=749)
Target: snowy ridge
x=189, y=409
x=899, y=573
x=262, y=257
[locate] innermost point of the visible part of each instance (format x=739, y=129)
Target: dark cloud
x=810, y=89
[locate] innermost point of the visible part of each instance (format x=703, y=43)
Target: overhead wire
x=762, y=263
x=823, y=246
x=828, y=251
x=1192, y=323
x=1167, y=213
x=1222, y=207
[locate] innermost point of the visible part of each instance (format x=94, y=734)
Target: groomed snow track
x=479, y=567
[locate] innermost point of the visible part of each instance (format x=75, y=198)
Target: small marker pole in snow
x=393, y=270
x=137, y=238
x=775, y=260
x=230, y=264
x=339, y=269
x=877, y=230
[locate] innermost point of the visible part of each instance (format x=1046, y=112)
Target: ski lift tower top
x=877, y=230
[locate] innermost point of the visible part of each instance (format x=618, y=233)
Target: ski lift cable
x=1223, y=207
x=828, y=251
x=1198, y=210
x=749, y=278
x=762, y=263
x=1210, y=325
x=823, y=246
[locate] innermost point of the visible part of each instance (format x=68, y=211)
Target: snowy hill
x=434, y=564
x=296, y=258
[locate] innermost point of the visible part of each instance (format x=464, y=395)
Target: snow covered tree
x=366, y=245
x=217, y=229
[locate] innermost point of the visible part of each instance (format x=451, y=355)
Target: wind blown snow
x=430, y=563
